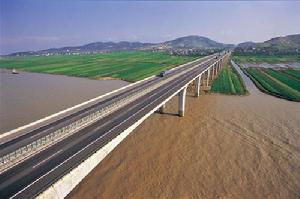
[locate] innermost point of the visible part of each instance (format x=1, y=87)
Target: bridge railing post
x=181, y=102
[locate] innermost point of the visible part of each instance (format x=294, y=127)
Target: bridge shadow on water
x=167, y=113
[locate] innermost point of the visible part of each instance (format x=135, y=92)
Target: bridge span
x=50, y=160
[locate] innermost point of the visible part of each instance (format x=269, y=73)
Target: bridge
x=49, y=160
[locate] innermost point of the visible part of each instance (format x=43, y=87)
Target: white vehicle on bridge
x=164, y=73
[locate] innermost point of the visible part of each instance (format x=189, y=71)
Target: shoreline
x=86, y=78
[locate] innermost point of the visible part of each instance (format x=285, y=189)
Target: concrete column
x=162, y=109
x=208, y=76
x=197, y=86
x=217, y=71
x=181, y=102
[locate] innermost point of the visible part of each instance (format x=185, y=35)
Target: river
x=27, y=97
x=224, y=147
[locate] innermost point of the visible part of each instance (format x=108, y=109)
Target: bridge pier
x=197, y=86
x=181, y=102
x=208, y=76
x=162, y=109
x=215, y=70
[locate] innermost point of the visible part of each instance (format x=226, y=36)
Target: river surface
x=27, y=97
x=224, y=147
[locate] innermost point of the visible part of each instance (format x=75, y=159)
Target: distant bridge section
x=50, y=160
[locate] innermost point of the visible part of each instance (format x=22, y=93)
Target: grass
x=126, y=65
x=265, y=58
x=229, y=82
x=283, y=83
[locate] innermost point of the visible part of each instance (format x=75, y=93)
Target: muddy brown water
x=27, y=97
x=224, y=147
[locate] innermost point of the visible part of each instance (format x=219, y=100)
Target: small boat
x=14, y=71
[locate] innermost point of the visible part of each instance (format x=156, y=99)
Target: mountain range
x=182, y=46
x=276, y=46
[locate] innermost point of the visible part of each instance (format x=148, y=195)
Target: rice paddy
x=283, y=83
x=229, y=82
x=126, y=65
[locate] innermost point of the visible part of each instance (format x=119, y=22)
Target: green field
x=294, y=73
x=229, y=82
x=284, y=83
x=128, y=65
x=266, y=58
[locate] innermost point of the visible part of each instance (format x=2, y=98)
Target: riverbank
x=224, y=147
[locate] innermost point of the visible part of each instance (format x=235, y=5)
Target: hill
x=196, y=42
x=191, y=45
x=276, y=46
x=91, y=48
x=183, y=46
x=246, y=44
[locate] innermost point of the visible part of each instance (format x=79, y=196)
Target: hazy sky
x=37, y=24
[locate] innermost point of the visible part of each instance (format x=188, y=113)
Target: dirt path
x=225, y=147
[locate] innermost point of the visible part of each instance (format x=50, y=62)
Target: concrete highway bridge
x=48, y=159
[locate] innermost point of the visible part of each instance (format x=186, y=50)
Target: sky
x=40, y=24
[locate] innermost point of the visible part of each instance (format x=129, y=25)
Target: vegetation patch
x=229, y=82
x=282, y=83
x=126, y=65
x=292, y=72
x=265, y=58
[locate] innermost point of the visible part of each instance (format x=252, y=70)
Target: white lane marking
x=47, y=158
x=88, y=145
